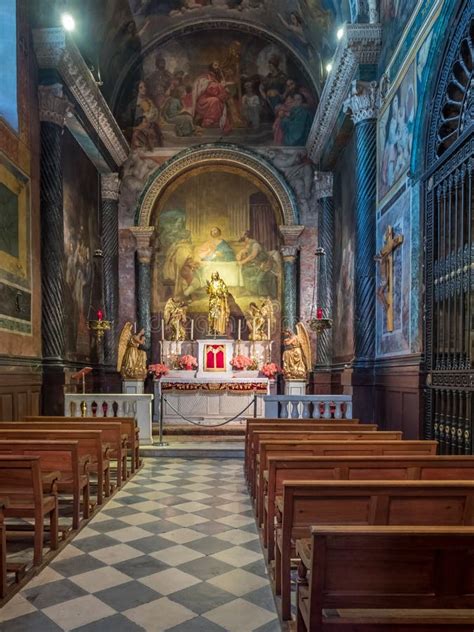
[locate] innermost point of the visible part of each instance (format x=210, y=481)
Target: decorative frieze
x=53, y=105
x=323, y=184
x=110, y=186
x=363, y=101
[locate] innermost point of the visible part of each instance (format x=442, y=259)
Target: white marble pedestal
x=295, y=387
x=133, y=387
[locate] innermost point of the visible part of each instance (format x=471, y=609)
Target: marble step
x=195, y=449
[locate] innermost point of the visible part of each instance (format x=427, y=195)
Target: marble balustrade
x=308, y=406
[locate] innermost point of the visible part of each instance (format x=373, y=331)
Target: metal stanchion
x=254, y=405
x=161, y=442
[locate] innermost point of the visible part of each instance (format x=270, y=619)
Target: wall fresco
x=394, y=16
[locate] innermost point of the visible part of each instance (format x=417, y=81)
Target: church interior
x=237, y=315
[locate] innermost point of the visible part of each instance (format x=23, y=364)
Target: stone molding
x=289, y=253
x=143, y=237
x=53, y=105
x=290, y=235
x=56, y=51
x=363, y=101
x=323, y=184
x=360, y=44
x=110, y=186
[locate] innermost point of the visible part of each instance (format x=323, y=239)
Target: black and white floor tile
x=177, y=549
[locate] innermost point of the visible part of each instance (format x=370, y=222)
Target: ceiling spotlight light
x=340, y=33
x=328, y=68
x=68, y=22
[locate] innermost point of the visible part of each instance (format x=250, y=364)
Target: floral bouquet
x=241, y=362
x=270, y=370
x=158, y=370
x=187, y=362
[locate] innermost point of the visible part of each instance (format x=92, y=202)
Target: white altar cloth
x=209, y=400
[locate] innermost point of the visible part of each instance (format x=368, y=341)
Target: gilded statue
x=297, y=353
x=219, y=311
x=260, y=320
x=175, y=316
x=131, y=360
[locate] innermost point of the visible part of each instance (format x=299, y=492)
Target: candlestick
x=162, y=329
x=253, y=329
x=135, y=327
x=268, y=329
x=192, y=328
x=100, y=315
x=239, y=329
x=319, y=313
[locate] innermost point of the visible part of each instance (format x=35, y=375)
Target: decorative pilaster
x=323, y=186
x=289, y=252
x=362, y=105
x=110, y=185
x=144, y=236
x=53, y=108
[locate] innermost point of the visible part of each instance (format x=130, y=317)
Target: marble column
x=289, y=252
x=362, y=105
x=323, y=191
x=144, y=238
x=53, y=108
x=110, y=185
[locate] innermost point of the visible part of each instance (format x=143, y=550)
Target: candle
x=135, y=327
x=100, y=315
x=253, y=329
x=192, y=328
x=162, y=328
x=319, y=313
x=268, y=329
x=239, y=329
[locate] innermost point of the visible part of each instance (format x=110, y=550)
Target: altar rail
x=113, y=405
x=308, y=406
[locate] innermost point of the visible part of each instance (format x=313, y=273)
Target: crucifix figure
x=385, y=259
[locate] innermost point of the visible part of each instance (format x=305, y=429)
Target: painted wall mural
x=201, y=230
x=80, y=242
x=394, y=16
x=395, y=133
x=215, y=85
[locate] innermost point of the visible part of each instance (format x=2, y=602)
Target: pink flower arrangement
x=270, y=369
x=241, y=362
x=187, y=362
x=158, y=370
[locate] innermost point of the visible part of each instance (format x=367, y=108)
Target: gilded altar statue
x=175, y=316
x=260, y=320
x=219, y=311
x=297, y=353
x=131, y=360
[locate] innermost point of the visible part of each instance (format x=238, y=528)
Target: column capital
x=363, y=101
x=289, y=253
x=323, y=184
x=110, y=186
x=290, y=234
x=143, y=237
x=53, y=105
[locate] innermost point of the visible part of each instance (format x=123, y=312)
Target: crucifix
x=385, y=259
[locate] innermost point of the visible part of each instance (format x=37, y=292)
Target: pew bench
x=63, y=457
x=386, y=579
x=401, y=468
x=90, y=444
x=30, y=495
x=305, y=504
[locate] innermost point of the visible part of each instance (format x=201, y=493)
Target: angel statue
x=131, y=360
x=219, y=311
x=175, y=318
x=260, y=320
x=297, y=353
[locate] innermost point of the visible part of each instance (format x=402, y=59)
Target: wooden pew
x=304, y=504
x=63, y=457
x=90, y=444
x=386, y=579
x=22, y=483
x=3, y=548
x=402, y=468
x=293, y=426
x=129, y=428
x=277, y=424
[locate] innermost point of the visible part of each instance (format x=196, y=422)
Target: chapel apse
x=217, y=219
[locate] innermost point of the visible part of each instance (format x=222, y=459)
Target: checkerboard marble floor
x=176, y=549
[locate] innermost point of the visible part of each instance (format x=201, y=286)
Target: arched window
x=8, y=65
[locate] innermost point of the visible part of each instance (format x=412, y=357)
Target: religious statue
x=385, y=259
x=260, y=320
x=131, y=360
x=219, y=311
x=297, y=353
x=175, y=317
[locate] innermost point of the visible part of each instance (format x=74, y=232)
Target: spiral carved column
x=144, y=237
x=110, y=184
x=324, y=193
x=53, y=108
x=363, y=108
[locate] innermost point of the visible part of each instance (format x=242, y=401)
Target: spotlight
x=68, y=22
x=340, y=33
x=328, y=68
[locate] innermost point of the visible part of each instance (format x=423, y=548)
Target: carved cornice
x=323, y=184
x=290, y=235
x=56, y=51
x=144, y=238
x=53, y=105
x=110, y=186
x=363, y=102
x=360, y=44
